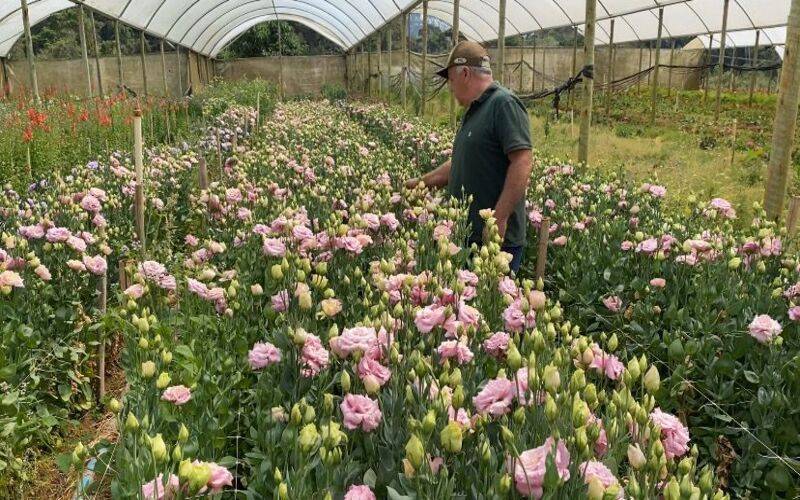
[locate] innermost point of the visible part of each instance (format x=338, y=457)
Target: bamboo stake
x=26, y=23
x=654, y=90
x=142, y=53
x=588, y=81
x=456, y=27
x=785, y=122
x=501, y=42
x=541, y=249
x=533, y=66
x=120, y=79
x=733, y=142
x=753, y=74
x=84, y=50
x=202, y=170
x=138, y=207
x=100, y=91
x=163, y=67
x=405, y=57
x=722, y=37
x=258, y=110
x=102, y=299
x=424, y=70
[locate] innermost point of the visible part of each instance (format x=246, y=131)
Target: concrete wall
x=305, y=75
x=302, y=75
x=69, y=76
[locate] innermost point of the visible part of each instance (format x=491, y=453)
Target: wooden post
x=574, y=64
x=369, y=68
x=544, y=67
x=26, y=23
x=142, y=53
x=794, y=212
x=533, y=66
x=100, y=91
x=785, y=119
x=281, y=88
x=202, y=170
x=708, y=69
x=753, y=74
x=588, y=81
x=389, y=64
x=501, y=43
x=6, y=81
x=219, y=150
x=671, y=63
x=722, y=37
x=138, y=160
x=404, y=66
x=639, y=80
x=541, y=248
x=610, y=70
x=456, y=28
x=258, y=110
x=733, y=142
x=84, y=50
x=379, y=50
x=654, y=90
x=521, y=49
x=424, y=70
x=180, y=75
x=102, y=299
x=163, y=67
x=120, y=79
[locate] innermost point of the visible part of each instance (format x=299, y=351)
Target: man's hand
x=412, y=183
x=502, y=224
x=434, y=178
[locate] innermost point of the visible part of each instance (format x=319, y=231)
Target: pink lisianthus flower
x=658, y=282
x=76, y=265
x=280, y=301
x=359, y=338
x=359, y=492
x=497, y=344
x=96, y=265
x=177, y=395
x=11, y=279
x=764, y=329
x=57, y=234
x=360, y=412
x=220, y=477
x=313, y=357
x=42, y=272
x=90, y=204
x=794, y=313
x=456, y=350
x=156, y=490
x=674, y=435
x=134, y=291
x=606, y=363
x=262, y=355
x=495, y=397
x=530, y=468
x=369, y=367
x=428, y=318
x=273, y=247
x=592, y=469
x=613, y=303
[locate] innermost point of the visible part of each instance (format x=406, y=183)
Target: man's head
x=468, y=71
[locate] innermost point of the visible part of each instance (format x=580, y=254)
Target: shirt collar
x=486, y=93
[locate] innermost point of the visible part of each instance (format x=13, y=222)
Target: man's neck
x=480, y=89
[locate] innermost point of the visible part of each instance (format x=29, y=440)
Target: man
x=491, y=158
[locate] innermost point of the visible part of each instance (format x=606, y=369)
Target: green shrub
x=334, y=92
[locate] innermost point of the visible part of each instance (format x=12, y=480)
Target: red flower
x=27, y=134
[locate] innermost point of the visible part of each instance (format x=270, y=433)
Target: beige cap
x=466, y=53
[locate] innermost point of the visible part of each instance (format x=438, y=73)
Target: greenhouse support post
x=708, y=68
x=26, y=23
x=163, y=67
x=281, y=89
x=501, y=42
x=120, y=78
x=424, y=70
x=783, y=129
x=544, y=66
x=639, y=80
x=671, y=63
x=456, y=26
x=541, y=247
x=533, y=66
x=6, y=81
x=588, y=81
x=138, y=161
x=654, y=90
x=369, y=67
x=610, y=69
x=100, y=91
x=84, y=50
x=794, y=213
x=202, y=172
x=389, y=63
x=102, y=299
x=404, y=66
x=379, y=49
x=521, y=65
x=180, y=74
x=574, y=63
x=733, y=142
x=721, y=65
x=142, y=54
x=649, y=62
x=753, y=74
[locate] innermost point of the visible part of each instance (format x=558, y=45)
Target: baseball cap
x=466, y=53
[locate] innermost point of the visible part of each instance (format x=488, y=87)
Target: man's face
x=458, y=79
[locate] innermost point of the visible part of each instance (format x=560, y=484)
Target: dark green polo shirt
x=495, y=125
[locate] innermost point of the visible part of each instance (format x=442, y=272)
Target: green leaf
x=394, y=495
x=64, y=462
x=369, y=478
x=751, y=377
x=64, y=391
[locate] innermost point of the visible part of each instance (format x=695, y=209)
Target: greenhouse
x=399, y=249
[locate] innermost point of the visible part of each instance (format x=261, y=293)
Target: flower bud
x=276, y=272
x=550, y=408
x=114, y=406
x=429, y=422
x=177, y=453
x=283, y=491
x=612, y=343
x=158, y=448
x=148, y=369
x=577, y=381
x=552, y=379
x=451, y=437
x=309, y=438
x=513, y=357
x=415, y=452
x=198, y=477
x=257, y=289
x=458, y=397
x=163, y=380
x=635, y=456
x=166, y=357
x=131, y=423
x=652, y=380
x=633, y=369
x=505, y=484
x=596, y=489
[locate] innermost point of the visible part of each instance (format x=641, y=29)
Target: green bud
x=131, y=423
x=309, y=438
x=163, y=380
x=158, y=448
x=652, y=380
x=451, y=437
x=415, y=451
x=183, y=434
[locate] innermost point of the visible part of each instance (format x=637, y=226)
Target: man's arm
x=519, y=173
x=435, y=178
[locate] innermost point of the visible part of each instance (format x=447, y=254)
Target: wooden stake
x=574, y=64
x=258, y=110
x=6, y=81
x=610, y=70
x=501, y=42
x=654, y=90
x=281, y=88
x=26, y=23
x=794, y=212
x=163, y=67
x=102, y=291
x=142, y=53
x=639, y=80
x=521, y=65
x=753, y=74
x=588, y=81
x=180, y=74
x=424, y=70
x=671, y=63
x=379, y=49
x=100, y=91
x=533, y=66
x=456, y=28
x=544, y=67
x=120, y=79
x=389, y=64
x=733, y=142
x=219, y=150
x=708, y=70
x=404, y=67
x=541, y=248
x=138, y=160
x=783, y=129
x=722, y=37
x=84, y=50
x=202, y=170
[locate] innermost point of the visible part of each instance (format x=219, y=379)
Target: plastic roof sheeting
x=11, y=18
x=747, y=38
x=696, y=17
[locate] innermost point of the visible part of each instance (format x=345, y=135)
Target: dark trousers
x=516, y=257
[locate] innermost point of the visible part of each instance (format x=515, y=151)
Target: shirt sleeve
x=512, y=125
